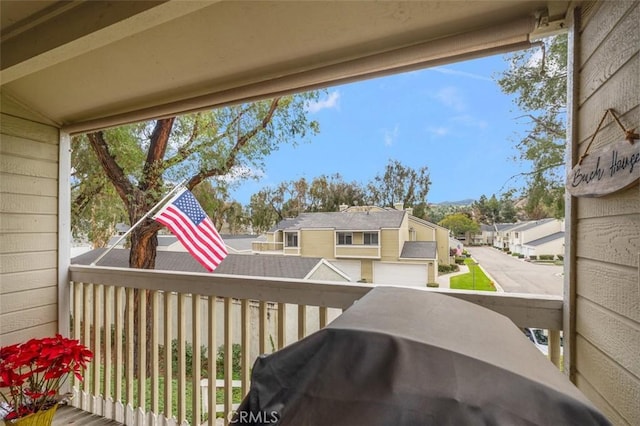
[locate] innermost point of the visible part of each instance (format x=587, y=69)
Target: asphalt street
x=517, y=276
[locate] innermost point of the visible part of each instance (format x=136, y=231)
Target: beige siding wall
x=367, y=270
x=317, y=243
x=442, y=244
x=389, y=245
x=607, y=229
x=28, y=227
x=325, y=273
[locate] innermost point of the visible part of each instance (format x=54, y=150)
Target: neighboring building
x=533, y=230
x=234, y=264
x=550, y=244
x=371, y=244
x=482, y=238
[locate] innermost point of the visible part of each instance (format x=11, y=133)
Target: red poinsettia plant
x=32, y=373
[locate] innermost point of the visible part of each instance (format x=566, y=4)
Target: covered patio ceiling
x=84, y=65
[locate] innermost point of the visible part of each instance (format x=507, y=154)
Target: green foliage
x=459, y=223
x=459, y=260
x=399, y=184
x=533, y=257
x=129, y=168
x=433, y=285
x=236, y=358
x=546, y=257
x=539, y=81
x=447, y=269
x=560, y=256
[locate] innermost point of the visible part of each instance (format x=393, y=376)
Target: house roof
x=533, y=224
x=233, y=264
x=419, y=250
x=360, y=221
x=545, y=239
x=507, y=226
x=486, y=228
x=64, y=59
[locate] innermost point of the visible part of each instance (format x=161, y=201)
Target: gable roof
x=234, y=264
x=534, y=223
x=545, y=239
x=419, y=250
x=360, y=221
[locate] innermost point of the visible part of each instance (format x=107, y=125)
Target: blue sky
x=453, y=119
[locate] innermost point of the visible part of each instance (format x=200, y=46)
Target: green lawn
x=474, y=280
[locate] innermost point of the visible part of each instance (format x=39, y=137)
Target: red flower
x=34, y=371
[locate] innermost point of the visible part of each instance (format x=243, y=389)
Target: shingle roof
x=419, y=250
x=546, y=239
x=361, y=221
x=534, y=223
x=233, y=264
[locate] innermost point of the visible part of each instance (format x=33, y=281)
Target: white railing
x=147, y=375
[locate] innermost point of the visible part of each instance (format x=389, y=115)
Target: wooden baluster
x=155, y=358
x=182, y=359
x=108, y=320
x=228, y=358
x=168, y=355
x=119, y=326
x=554, y=347
x=244, y=357
x=302, y=321
x=282, y=325
x=196, y=364
x=142, y=348
x=324, y=316
x=263, y=323
x=97, y=356
x=129, y=347
x=212, y=357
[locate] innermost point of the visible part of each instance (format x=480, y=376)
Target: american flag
x=187, y=221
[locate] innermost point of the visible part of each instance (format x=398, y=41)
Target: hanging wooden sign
x=610, y=169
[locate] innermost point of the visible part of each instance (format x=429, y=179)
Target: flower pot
x=40, y=418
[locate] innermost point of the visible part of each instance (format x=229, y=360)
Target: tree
x=327, y=193
x=140, y=160
x=399, y=184
x=459, y=223
x=539, y=81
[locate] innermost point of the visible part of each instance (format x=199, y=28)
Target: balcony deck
x=67, y=415
x=213, y=311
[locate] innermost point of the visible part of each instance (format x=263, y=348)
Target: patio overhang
x=87, y=65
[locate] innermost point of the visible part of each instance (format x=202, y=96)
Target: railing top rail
x=525, y=310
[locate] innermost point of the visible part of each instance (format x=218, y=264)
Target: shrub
x=433, y=285
x=546, y=257
x=445, y=269
x=533, y=257
x=515, y=254
x=459, y=260
x=560, y=256
x=508, y=251
x=521, y=256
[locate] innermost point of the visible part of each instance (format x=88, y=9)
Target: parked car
x=540, y=339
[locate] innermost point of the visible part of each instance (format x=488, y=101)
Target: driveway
x=517, y=276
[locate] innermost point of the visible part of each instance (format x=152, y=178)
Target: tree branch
x=541, y=123
x=541, y=169
x=233, y=154
x=159, y=140
x=112, y=169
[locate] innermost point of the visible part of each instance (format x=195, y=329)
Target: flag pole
x=123, y=236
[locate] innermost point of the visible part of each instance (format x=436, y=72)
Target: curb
x=499, y=288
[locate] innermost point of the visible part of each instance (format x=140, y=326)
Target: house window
x=516, y=235
x=370, y=238
x=345, y=238
x=291, y=239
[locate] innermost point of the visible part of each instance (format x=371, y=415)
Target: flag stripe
x=195, y=234
x=187, y=221
x=196, y=252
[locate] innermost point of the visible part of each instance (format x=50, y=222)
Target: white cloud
x=469, y=121
x=439, y=130
x=331, y=101
x=451, y=97
x=450, y=71
x=239, y=173
x=390, y=136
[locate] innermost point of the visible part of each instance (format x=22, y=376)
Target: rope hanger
x=629, y=134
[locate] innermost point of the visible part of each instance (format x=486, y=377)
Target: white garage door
x=401, y=275
x=350, y=267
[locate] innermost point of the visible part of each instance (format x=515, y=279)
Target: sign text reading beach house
x=610, y=169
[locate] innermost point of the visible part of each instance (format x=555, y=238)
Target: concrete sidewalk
x=443, y=280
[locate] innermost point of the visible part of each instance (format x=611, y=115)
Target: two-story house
x=370, y=244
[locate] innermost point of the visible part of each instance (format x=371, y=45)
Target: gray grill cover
x=411, y=357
